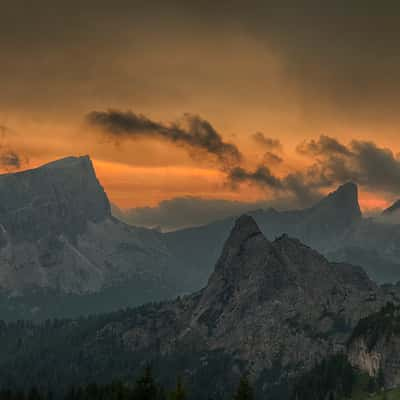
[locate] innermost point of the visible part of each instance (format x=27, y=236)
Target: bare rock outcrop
x=57, y=233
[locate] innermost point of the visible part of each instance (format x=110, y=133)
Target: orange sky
x=143, y=173
x=245, y=70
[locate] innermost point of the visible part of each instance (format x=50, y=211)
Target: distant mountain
x=58, y=240
x=62, y=253
x=334, y=226
x=393, y=208
x=271, y=309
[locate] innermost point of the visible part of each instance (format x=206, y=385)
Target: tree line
x=335, y=379
x=144, y=388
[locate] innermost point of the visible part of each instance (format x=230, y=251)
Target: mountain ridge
x=270, y=309
x=392, y=208
x=52, y=198
x=57, y=235
x=334, y=226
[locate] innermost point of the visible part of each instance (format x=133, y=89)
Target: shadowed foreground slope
x=271, y=309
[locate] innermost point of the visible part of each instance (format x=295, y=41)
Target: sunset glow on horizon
x=219, y=102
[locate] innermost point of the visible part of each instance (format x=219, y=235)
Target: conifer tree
x=179, y=392
x=145, y=387
x=380, y=378
x=34, y=394
x=244, y=390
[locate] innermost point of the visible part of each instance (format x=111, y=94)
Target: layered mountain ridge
x=57, y=235
x=334, y=226
x=58, y=240
x=271, y=309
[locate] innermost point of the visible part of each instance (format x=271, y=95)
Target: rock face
x=334, y=226
x=57, y=233
x=58, y=198
x=375, y=346
x=271, y=309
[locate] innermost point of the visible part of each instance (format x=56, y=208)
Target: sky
x=211, y=106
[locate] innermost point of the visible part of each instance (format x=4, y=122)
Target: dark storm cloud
x=303, y=188
x=372, y=167
x=375, y=168
x=269, y=143
x=261, y=176
x=296, y=186
x=271, y=158
x=10, y=159
x=325, y=145
x=194, y=133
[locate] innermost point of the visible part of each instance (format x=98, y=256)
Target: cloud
x=10, y=159
x=343, y=69
x=375, y=168
x=189, y=211
x=300, y=186
x=193, y=133
x=269, y=143
x=261, y=176
x=333, y=162
x=325, y=145
x=272, y=158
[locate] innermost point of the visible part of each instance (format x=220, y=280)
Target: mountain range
x=63, y=253
x=264, y=302
x=334, y=226
x=271, y=309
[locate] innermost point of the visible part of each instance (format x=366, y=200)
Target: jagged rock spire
x=345, y=198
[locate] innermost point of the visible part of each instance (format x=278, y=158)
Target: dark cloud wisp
x=323, y=146
x=375, y=168
x=194, y=133
x=267, y=142
x=10, y=160
x=271, y=158
x=296, y=186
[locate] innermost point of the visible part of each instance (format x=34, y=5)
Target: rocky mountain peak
x=393, y=208
x=244, y=229
x=338, y=210
x=345, y=197
x=252, y=268
x=57, y=234
x=242, y=256
x=245, y=235
x=272, y=309
x=57, y=198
